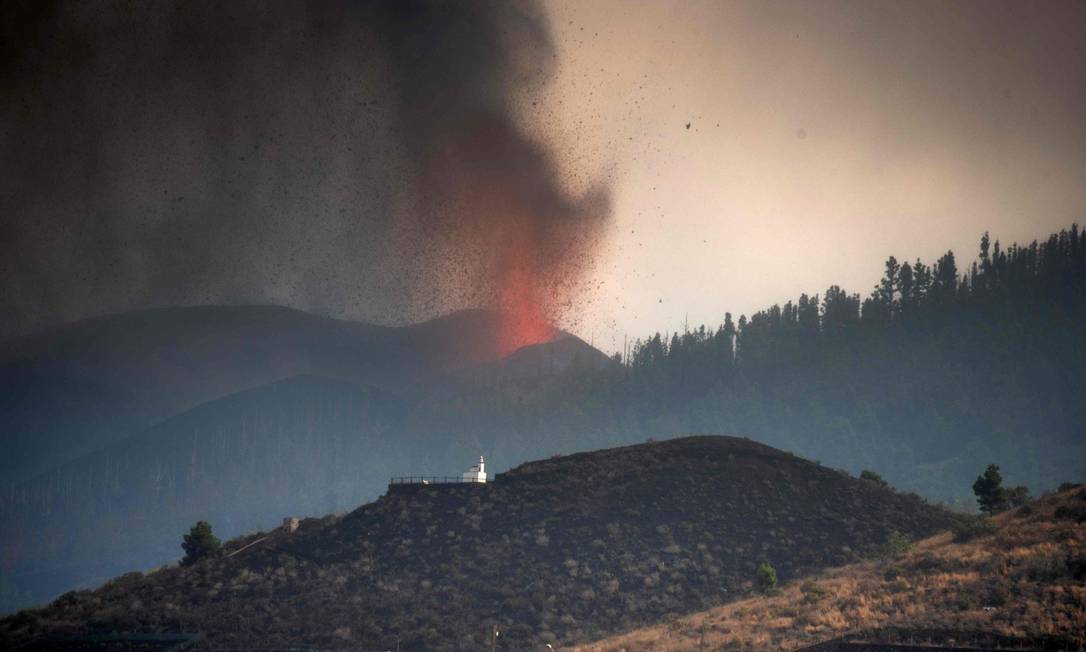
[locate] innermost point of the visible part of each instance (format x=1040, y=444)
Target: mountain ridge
x=119, y=373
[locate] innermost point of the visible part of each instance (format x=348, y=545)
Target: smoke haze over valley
x=354, y=159
x=714, y=291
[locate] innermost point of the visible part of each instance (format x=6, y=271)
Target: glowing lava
x=522, y=242
x=524, y=320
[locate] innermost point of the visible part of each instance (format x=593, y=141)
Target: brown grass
x=1026, y=579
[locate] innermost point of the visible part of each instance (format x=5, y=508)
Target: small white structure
x=476, y=473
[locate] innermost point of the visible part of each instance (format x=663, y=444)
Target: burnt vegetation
x=563, y=550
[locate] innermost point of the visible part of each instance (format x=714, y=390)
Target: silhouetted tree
x=991, y=496
x=913, y=375
x=944, y=280
x=199, y=543
x=909, y=302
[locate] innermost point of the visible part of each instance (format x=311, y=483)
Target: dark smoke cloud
x=362, y=160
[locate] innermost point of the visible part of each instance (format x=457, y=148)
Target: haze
x=823, y=137
x=621, y=167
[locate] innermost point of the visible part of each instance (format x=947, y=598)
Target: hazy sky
x=626, y=163
x=823, y=137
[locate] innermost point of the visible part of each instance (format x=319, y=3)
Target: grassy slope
x=1029, y=573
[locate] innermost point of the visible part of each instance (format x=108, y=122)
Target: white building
x=476, y=473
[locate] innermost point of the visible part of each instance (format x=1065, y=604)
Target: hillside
x=562, y=550
x=73, y=389
x=299, y=446
x=926, y=392
x=308, y=444
x=1025, y=579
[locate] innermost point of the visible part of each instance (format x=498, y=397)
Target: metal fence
x=434, y=479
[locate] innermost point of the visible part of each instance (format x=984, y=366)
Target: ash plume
x=362, y=160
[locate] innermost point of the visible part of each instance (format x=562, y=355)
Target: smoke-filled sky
x=621, y=165
x=364, y=160
x=824, y=136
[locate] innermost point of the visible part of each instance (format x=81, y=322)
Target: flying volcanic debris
x=357, y=159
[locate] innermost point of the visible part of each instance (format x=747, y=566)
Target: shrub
x=1076, y=565
x=871, y=476
x=1071, y=512
x=900, y=585
x=765, y=578
x=812, y=592
x=971, y=527
x=1016, y=497
x=1046, y=567
x=1067, y=486
x=199, y=543
x=895, y=546
x=927, y=563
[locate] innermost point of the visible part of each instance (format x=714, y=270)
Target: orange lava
x=524, y=319
x=504, y=210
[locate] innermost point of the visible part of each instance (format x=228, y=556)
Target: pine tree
x=888, y=287
x=199, y=543
x=991, y=496
x=907, y=289
x=944, y=281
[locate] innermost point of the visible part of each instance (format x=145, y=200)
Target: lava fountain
x=507, y=218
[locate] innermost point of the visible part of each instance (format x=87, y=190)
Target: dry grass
x=1025, y=579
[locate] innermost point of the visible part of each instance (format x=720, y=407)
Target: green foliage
x=765, y=578
x=895, y=546
x=199, y=543
x=970, y=527
x=812, y=592
x=1017, y=497
x=871, y=476
x=988, y=487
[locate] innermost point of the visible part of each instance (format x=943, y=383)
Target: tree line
x=941, y=364
x=907, y=294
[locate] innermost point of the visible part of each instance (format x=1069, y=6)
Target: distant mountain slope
x=73, y=389
x=1023, y=580
x=298, y=446
x=561, y=550
x=96, y=422
x=537, y=361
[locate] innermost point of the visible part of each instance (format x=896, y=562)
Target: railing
x=433, y=479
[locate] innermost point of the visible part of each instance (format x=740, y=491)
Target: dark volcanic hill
x=561, y=550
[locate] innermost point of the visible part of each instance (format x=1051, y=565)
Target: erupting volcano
x=524, y=316
x=393, y=179
x=495, y=198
